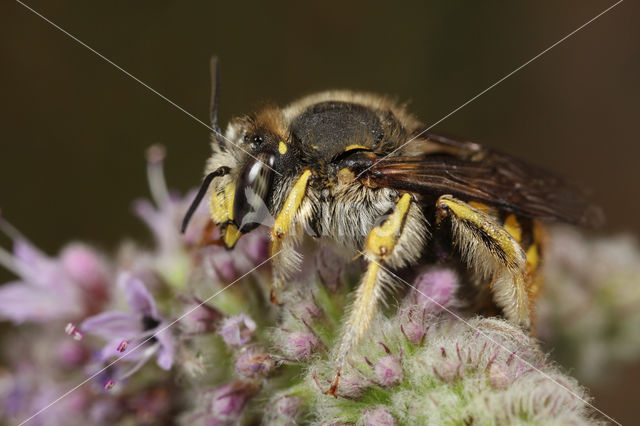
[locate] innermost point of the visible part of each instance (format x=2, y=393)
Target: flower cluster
x=589, y=313
x=184, y=332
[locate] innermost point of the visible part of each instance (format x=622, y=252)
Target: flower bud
x=498, y=377
x=200, y=318
x=435, y=289
x=254, y=363
x=388, y=370
x=413, y=332
x=300, y=345
x=237, y=331
x=352, y=385
x=284, y=411
x=84, y=266
x=447, y=371
x=378, y=417
x=229, y=400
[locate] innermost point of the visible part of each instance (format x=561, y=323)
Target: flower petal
x=110, y=351
x=21, y=302
x=139, y=298
x=37, y=269
x=167, y=347
x=113, y=325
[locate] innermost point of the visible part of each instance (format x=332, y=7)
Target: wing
x=443, y=165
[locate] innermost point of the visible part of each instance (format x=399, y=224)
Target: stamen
x=155, y=175
x=109, y=384
x=72, y=330
x=148, y=353
x=122, y=346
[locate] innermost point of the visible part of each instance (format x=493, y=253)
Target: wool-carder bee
x=336, y=166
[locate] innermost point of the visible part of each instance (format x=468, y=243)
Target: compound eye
x=252, y=193
x=254, y=140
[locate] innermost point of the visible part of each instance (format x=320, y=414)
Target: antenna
x=201, y=192
x=215, y=89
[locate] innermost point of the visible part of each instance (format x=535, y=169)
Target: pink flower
x=388, y=370
x=237, y=331
x=47, y=288
x=378, y=417
x=229, y=400
x=300, y=345
x=164, y=217
x=435, y=289
x=141, y=324
x=254, y=363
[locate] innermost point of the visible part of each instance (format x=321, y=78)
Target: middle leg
x=396, y=242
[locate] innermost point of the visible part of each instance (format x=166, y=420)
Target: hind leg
x=491, y=251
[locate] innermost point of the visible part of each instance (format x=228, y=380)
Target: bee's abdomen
x=530, y=234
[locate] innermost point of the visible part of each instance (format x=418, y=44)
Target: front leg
x=282, y=239
x=397, y=241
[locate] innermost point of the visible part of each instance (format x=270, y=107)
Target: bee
x=337, y=166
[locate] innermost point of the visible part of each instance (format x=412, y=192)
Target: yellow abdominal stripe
x=533, y=257
x=513, y=227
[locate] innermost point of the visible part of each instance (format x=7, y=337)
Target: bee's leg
x=398, y=240
x=490, y=250
x=281, y=238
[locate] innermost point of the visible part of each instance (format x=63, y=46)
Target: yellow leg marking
x=382, y=239
x=490, y=249
x=480, y=206
x=287, y=214
x=379, y=245
x=513, y=227
x=491, y=228
x=281, y=227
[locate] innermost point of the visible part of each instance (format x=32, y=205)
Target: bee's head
x=247, y=171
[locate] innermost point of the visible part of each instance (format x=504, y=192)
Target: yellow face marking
x=222, y=204
x=282, y=148
x=356, y=146
x=513, y=227
x=382, y=239
x=287, y=214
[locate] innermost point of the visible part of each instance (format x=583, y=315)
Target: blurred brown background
x=74, y=128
